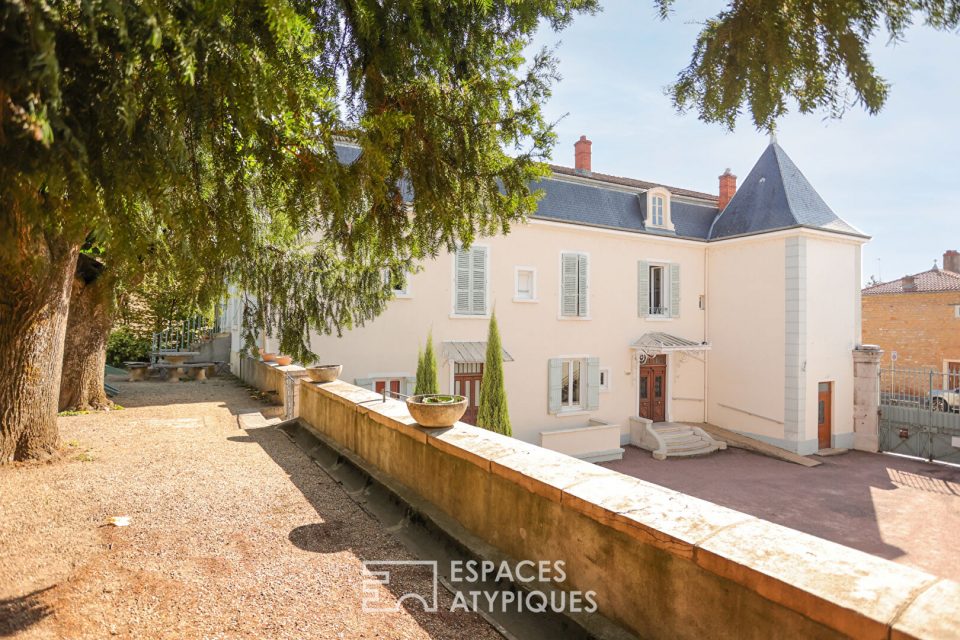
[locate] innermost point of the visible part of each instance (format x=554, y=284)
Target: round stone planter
x=268, y=357
x=284, y=360
x=325, y=372
x=431, y=412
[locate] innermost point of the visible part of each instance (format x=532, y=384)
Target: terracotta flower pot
x=437, y=411
x=268, y=357
x=325, y=372
x=284, y=360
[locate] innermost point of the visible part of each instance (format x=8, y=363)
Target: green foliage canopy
x=758, y=56
x=198, y=136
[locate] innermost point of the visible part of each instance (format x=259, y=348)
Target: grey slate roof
x=600, y=205
x=346, y=153
x=776, y=195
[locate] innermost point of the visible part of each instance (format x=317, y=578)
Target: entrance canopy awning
x=656, y=343
x=470, y=352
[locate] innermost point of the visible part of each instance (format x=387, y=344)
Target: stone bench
x=138, y=370
x=196, y=370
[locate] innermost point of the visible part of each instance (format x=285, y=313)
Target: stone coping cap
x=821, y=579
x=845, y=589
x=289, y=368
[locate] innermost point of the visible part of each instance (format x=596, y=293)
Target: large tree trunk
x=34, y=300
x=85, y=344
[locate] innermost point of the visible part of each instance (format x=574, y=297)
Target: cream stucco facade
x=739, y=383
x=769, y=315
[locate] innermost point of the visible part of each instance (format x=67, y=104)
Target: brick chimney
x=728, y=187
x=581, y=152
x=909, y=283
x=951, y=261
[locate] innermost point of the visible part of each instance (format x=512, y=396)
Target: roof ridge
x=631, y=182
x=932, y=271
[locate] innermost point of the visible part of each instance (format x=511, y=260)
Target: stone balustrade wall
x=663, y=564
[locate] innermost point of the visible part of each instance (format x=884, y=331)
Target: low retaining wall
x=597, y=442
x=663, y=564
x=271, y=377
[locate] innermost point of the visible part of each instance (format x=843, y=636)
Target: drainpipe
x=706, y=331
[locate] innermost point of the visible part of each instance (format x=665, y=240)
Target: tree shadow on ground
x=346, y=526
x=20, y=613
x=240, y=398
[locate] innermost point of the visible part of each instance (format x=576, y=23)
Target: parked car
x=945, y=400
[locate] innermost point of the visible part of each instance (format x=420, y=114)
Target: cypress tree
x=418, y=387
x=430, y=382
x=492, y=413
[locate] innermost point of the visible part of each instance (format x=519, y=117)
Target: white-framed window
x=658, y=289
x=525, y=284
x=573, y=384
x=574, y=285
x=470, y=281
x=658, y=209
x=397, y=282
x=956, y=311
x=605, y=379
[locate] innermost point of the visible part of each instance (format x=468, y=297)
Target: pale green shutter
x=478, y=281
x=675, y=290
x=409, y=384
x=643, y=288
x=366, y=383
x=553, y=385
x=582, y=270
x=593, y=384
x=568, y=285
x=462, y=266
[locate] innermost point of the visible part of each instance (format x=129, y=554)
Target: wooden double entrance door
x=652, y=389
x=466, y=382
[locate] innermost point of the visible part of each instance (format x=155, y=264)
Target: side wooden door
x=824, y=414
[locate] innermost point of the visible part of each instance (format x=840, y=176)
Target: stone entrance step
x=667, y=439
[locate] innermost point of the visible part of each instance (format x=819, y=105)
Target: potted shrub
x=436, y=411
x=268, y=357
x=284, y=360
x=324, y=372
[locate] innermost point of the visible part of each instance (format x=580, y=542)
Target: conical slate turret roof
x=776, y=195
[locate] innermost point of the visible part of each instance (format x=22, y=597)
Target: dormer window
x=658, y=209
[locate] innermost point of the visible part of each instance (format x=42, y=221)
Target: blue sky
x=895, y=176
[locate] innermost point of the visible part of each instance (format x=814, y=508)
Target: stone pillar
x=866, y=397
x=291, y=404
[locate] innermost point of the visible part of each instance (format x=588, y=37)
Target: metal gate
x=920, y=413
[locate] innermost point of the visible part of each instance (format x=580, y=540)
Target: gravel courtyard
x=232, y=533
x=896, y=508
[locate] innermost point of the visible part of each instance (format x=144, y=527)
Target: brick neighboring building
x=918, y=317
